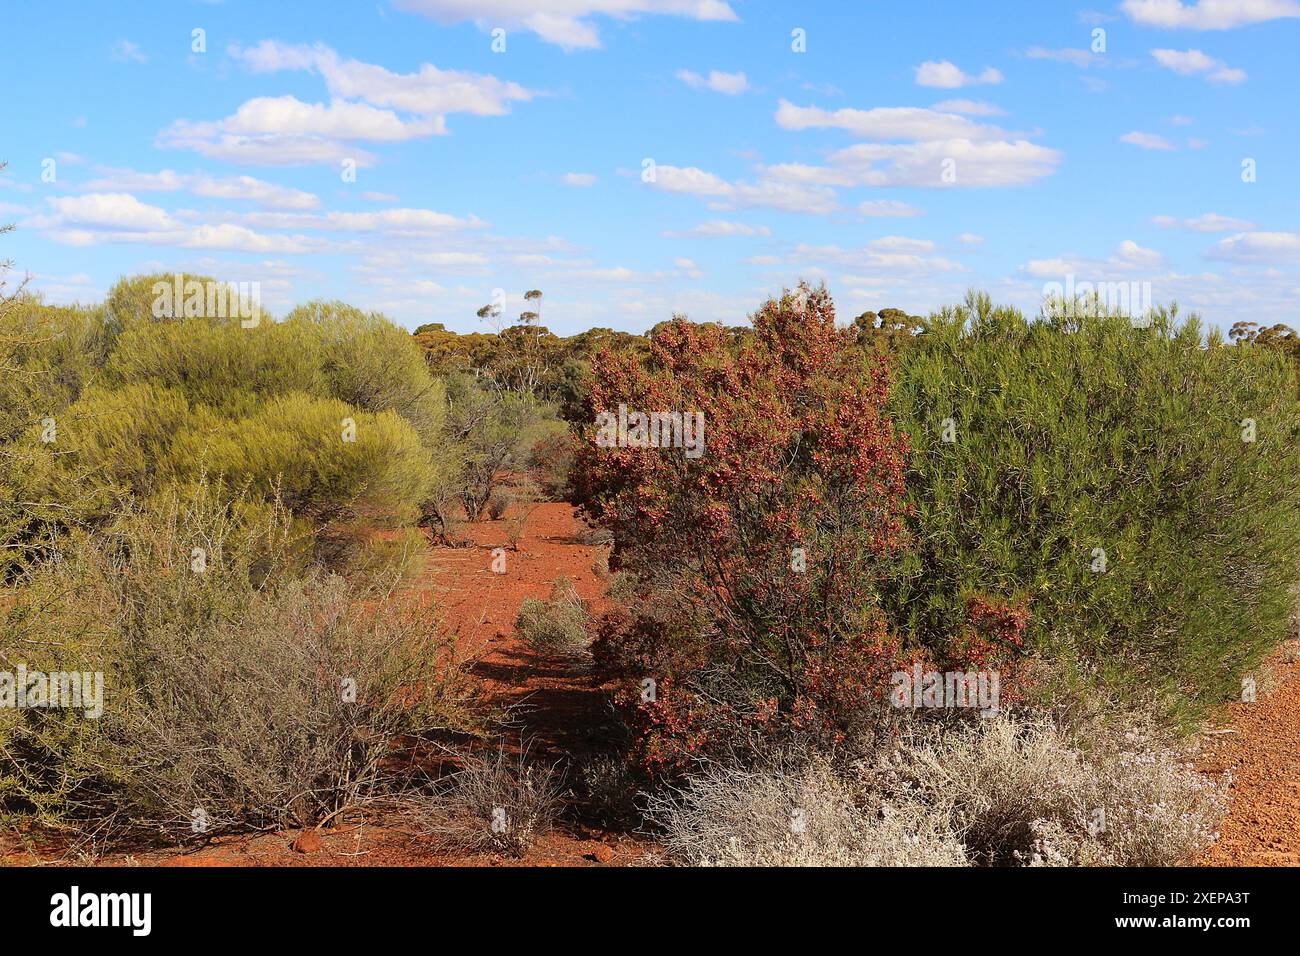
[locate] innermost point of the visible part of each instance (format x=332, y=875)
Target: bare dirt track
x=1263, y=753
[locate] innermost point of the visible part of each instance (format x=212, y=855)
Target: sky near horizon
x=639, y=158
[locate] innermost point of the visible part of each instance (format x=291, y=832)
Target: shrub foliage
x=1138, y=487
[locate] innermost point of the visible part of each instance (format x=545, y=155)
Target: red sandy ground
x=561, y=708
x=1263, y=753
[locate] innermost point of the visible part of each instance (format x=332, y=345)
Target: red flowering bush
x=760, y=547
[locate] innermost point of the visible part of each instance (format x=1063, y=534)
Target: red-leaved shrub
x=760, y=558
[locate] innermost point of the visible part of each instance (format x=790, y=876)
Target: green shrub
x=223, y=366
x=372, y=364
x=491, y=431
x=557, y=625
x=1098, y=471
x=237, y=682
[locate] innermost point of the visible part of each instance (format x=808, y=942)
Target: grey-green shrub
x=1080, y=433
x=556, y=625
x=243, y=685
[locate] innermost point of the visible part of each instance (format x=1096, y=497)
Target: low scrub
x=557, y=625
x=802, y=816
x=241, y=688
x=1026, y=793
x=499, y=803
x=998, y=792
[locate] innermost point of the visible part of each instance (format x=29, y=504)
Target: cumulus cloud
x=368, y=103
x=120, y=217
x=887, y=122
x=767, y=192
x=1194, y=62
x=1127, y=258
x=885, y=256
x=579, y=179
x=568, y=24
x=395, y=221
x=428, y=91
x=1259, y=247
x=949, y=150
x=1208, y=14
x=248, y=188
x=949, y=76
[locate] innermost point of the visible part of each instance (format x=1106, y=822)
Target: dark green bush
x=1082, y=439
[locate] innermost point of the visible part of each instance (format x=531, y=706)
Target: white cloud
x=1207, y=222
x=691, y=180
x=116, y=210
x=125, y=51
x=427, y=92
x=1261, y=247
x=901, y=244
x=290, y=116
x=719, y=228
x=268, y=150
x=368, y=104
x=968, y=107
x=566, y=24
x=1127, y=258
x=1192, y=62
x=769, y=193
x=977, y=154
x=887, y=122
x=1131, y=254
x=120, y=217
x=970, y=239
x=888, y=209
x=948, y=76
x=974, y=164
x=688, y=268
x=1208, y=14
x=732, y=84
x=396, y=221
x=887, y=256
x=1146, y=140
x=247, y=188
x=1080, y=58
x=579, y=179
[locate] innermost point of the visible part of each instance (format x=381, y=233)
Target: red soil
x=1263, y=753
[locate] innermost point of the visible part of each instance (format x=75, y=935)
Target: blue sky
x=909, y=151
